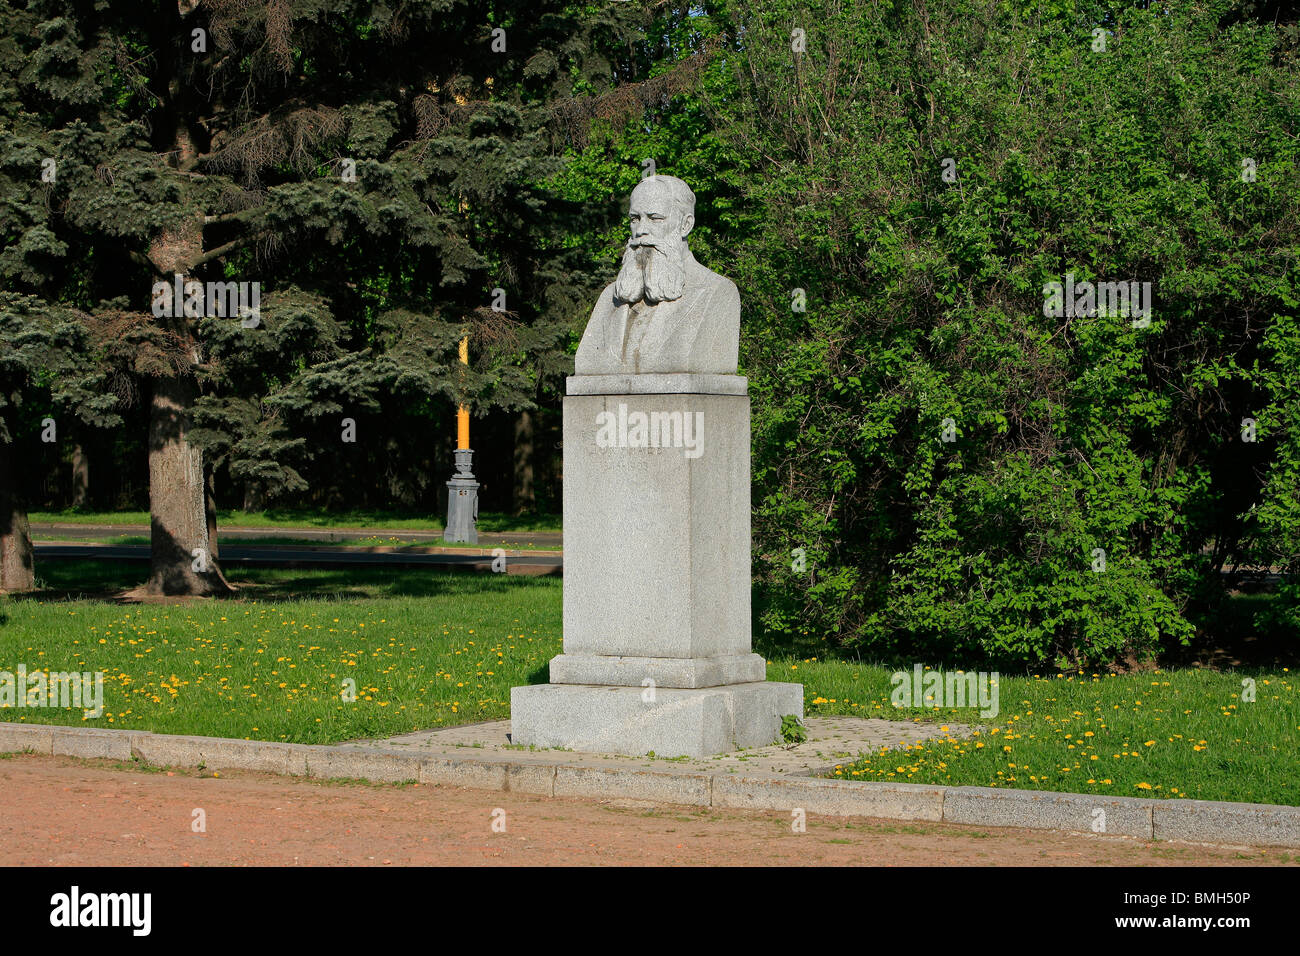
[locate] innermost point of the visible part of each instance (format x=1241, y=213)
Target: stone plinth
x=624, y=720
x=657, y=653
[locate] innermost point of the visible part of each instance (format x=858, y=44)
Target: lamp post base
x=462, y=502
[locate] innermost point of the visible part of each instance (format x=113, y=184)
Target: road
x=80, y=545
x=537, y=562
x=514, y=539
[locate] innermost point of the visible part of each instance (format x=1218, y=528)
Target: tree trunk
x=182, y=530
x=80, y=474
x=17, y=564
x=524, y=498
x=254, y=496
x=210, y=508
x=182, y=554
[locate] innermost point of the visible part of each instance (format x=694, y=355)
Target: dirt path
x=61, y=811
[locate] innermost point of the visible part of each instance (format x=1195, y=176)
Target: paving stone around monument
x=831, y=740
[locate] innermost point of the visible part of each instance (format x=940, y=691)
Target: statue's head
x=661, y=214
x=662, y=207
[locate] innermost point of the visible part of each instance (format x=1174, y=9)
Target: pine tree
x=50, y=355
x=383, y=173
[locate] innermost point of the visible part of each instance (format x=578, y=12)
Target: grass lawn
x=430, y=648
x=490, y=522
x=1183, y=734
x=426, y=649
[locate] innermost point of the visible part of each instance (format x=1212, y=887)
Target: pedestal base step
x=690, y=672
x=670, y=722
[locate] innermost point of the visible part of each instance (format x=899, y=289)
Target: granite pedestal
x=657, y=650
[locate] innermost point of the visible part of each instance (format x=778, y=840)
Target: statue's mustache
x=643, y=255
x=644, y=251
x=651, y=271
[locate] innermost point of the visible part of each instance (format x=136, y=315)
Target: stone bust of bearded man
x=665, y=312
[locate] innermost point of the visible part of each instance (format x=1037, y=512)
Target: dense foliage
x=379, y=170
x=942, y=468
x=968, y=477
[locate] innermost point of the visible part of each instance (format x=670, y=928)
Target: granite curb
x=1197, y=821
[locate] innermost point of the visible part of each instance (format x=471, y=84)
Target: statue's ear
x=688, y=223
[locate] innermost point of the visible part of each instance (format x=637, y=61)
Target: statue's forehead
x=651, y=194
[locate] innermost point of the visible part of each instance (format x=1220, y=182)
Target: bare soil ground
x=63, y=811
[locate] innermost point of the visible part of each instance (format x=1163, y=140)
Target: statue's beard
x=651, y=273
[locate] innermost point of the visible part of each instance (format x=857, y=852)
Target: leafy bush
x=954, y=463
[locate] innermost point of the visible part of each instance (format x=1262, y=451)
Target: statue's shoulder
x=719, y=287
x=605, y=302
x=704, y=275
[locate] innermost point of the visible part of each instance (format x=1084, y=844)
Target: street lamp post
x=462, y=489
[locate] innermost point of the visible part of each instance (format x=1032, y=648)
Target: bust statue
x=665, y=312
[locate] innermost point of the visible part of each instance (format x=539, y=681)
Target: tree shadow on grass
x=111, y=580
x=369, y=583
x=85, y=580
